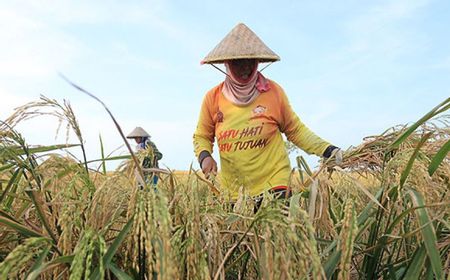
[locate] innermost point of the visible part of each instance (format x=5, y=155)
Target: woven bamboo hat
x=241, y=43
x=138, y=132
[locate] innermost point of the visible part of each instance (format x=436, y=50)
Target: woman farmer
x=246, y=114
x=153, y=155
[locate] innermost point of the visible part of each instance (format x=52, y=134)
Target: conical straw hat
x=241, y=43
x=138, y=132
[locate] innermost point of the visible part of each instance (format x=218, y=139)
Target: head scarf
x=143, y=144
x=243, y=93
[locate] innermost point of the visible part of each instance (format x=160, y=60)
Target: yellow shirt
x=251, y=147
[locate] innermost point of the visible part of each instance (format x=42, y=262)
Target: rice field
x=382, y=214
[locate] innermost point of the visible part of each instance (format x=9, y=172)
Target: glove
x=338, y=156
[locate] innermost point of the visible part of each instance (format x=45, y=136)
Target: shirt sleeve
x=204, y=133
x=297, y=132
x=156, y=152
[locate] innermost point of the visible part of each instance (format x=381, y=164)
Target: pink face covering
x=243, y=92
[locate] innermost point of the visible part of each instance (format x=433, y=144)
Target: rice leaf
x=110, y=158
x=6, y=167
x=18, y=150
x=301, y=163
x=366, y=212
x=332, y=263
x=312, y=199
x=21, y=229
x=428, y=234
x=41, y=215
x=113, y=248
x=438, y=158
x=38, y=266
x=120, y=274
x=67, y=260
x=445, y=105
x=294, y=205
x=6, y=215
x=102, y=151
x=12, y=181
x=42, y=149
x=416, y=264
x=360, y=186
x=401, y=218
x=62, y=260
x=117, y=242
x=411, y=160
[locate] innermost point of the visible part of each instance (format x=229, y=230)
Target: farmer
x=152, y=154
x=247, y=114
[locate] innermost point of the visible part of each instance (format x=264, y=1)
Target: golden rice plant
x=383, y=214
x=149, y=248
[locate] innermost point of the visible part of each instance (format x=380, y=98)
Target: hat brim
x=220, y=60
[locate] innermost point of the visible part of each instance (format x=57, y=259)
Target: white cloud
x=376, y=32
x=374, y=42
x=31, y=47
x=36, y=42
x=87, y=12
x=380, y=16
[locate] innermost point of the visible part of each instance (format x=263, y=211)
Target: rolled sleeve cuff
x=202, y=156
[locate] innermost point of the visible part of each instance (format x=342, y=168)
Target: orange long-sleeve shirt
x=251, y=147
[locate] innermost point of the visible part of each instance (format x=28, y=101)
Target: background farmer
x=151, y=153
x=246, y=114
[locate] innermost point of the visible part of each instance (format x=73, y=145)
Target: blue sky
x=350, y=68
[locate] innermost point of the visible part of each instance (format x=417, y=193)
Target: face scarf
x=242, y=93
x=143, y=144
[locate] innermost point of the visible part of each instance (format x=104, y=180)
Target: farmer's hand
x=209, y=166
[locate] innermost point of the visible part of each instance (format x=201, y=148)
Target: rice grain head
x=19, y=257
x=347, y=239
